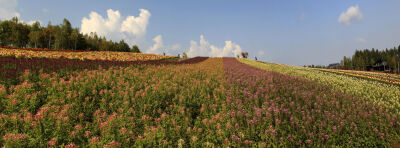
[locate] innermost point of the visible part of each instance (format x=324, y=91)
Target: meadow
x=81, y=99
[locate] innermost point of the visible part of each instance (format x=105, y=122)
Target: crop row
x=140, y=106
x=40, y=49
x=273, y=109
x=377, y=93
x=380, y=77
x=91, y=55
x=11, y=67
x=210, y=102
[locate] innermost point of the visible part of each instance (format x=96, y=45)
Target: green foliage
x=135, y=49
x=64, y=36
x=184, y=55
x=138, y=105
x=366, y=59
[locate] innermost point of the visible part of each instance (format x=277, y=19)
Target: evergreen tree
x=136, y=49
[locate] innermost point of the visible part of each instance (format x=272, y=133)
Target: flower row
x=380, y=77
x=135, y=105
x=273, y=109
x=378, y=93
x=90, y=55
x=11, y=68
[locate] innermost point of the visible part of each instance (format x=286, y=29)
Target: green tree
x=5, y=33
x=184, y=55
x=35, y=34
x=122, y=46
x=19, y=36
x=48, y=34
x=62, y=38
x=135, y=49
x=74, y=38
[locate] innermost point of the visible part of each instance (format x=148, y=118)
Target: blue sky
x=297, y=32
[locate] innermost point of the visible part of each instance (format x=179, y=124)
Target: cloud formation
x=361, y=40
x=131, y=29
x=159, y=47
x=8, y=9
x=352, y=15
x=204, y=48
x=32, y=22
x=260, y=53
x=158, y=44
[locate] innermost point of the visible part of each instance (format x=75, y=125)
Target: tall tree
x=5, y=32
x=35, y=34
x=62, y=40
x=20, y=32
x=136, y=49
x=74, y=38
x=63, y=36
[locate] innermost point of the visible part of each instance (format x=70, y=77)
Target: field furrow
x=267, y=108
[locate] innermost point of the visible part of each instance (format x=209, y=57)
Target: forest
x=16, y=33
x=373, y=60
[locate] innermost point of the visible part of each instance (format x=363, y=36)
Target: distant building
x=333, y=66
x=382, y=66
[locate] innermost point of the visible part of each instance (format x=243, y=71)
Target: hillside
x=112, y=99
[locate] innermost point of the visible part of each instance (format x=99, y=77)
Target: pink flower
x=308, y=141
x=52, y=142
x=289, y=137
x=247, y=141
x=73, y=133
x=204, y=121
x=14, y=137
x=94, y=140
x=103, y=125
x=38, y=116
x=78, y=127
x=113, y=144
x=277, y=121
x=71, y=145
x=123, y=130
x=13, y=102
x=87, y=134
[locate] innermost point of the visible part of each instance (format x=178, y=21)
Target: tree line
x=15, y=33
x=374, y=59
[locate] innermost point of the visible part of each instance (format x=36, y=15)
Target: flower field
x=375, y=92
x=82, y=55
x=199, y=102
x=135, y=105
x=375, y=76
x=14, y=62
x=283, y=110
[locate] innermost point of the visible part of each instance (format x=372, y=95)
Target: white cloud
x=158, y=44
x=204, y=48
x=159, y=47
x=138, y=25
x=8, y=9
x=31, y=22
x=132, y=29
x=260, y=53
x=352, y=15
x=361, y=40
